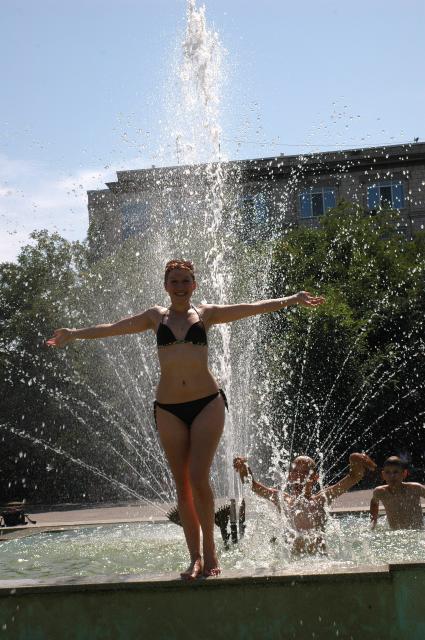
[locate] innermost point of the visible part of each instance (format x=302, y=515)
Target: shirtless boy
x=304, y=509
x=402, y=500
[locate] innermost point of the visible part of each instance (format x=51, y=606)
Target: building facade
x=289, y=190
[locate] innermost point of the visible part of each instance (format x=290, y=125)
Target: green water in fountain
x=158, y=548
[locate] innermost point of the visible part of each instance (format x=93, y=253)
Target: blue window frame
x=385, y=194
x=134, y=216
x=255, y=208
x=315, y=202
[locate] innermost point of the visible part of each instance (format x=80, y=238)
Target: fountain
x=123, y=574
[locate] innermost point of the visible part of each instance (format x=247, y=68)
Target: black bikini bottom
x=187, y=411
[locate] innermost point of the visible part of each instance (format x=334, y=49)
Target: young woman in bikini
x=189, y=407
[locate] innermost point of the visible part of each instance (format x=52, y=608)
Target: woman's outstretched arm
x=216, y=314
x=133, y=324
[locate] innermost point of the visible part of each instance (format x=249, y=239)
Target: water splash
x=197, y=213
x=197, y=130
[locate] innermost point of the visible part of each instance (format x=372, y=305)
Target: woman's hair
x=186, y=265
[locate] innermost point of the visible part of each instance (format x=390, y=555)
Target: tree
x=350, y=375
x=70, y=419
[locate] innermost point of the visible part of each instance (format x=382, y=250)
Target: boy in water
x=304, y=509
x=402, y=500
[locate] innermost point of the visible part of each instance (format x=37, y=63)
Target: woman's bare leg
x=175, y=439
x=205, y=434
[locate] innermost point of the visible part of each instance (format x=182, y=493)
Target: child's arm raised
x=359, y=463
x=241, y=466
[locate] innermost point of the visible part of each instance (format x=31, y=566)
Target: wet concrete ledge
x=365, y=602
x=64, y=515
x=63, y=519
x=168, y=581
x=9, y=533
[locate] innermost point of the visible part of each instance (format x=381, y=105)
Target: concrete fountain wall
x=386, y=601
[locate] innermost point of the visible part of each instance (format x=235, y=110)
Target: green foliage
x=356, y=361
x=35, y=295
x=69, y=419
x=347, y=375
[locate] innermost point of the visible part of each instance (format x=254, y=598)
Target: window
x=315, y=202
x=134, y=218
x=385, y=194
x=254, y=209
x=254, y=217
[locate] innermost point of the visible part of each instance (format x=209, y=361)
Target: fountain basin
x=119, y=588
x=151, y=548
x=361, y=602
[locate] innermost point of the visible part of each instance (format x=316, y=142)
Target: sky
x=84, y=85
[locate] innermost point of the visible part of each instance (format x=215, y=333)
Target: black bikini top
x=196, y=334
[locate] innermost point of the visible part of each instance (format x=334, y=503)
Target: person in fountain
x=305, y=511
x=402, y=500
x=189, y=407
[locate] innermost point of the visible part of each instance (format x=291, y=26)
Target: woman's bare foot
x=194, y=570
x=211, y=568
x=211, y=573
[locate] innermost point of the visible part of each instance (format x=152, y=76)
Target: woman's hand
x=305, y=299
x=60, y=338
